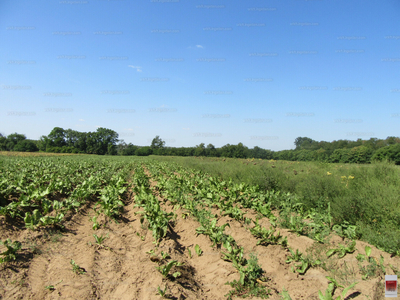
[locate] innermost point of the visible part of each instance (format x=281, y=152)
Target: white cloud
x=186, y=128
x=196, y=47
x=81, y=120
x=139, y=69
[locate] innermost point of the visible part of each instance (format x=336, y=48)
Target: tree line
x=105, y=142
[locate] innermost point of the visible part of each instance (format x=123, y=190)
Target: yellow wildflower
x=328, y=173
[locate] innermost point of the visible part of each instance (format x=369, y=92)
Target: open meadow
x=106, y=227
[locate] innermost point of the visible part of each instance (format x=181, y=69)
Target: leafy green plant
x=247, y=221
x=293, y=222
x=373, y=268
x=52, y=287
x=95, y=225
x=11, y=252
x=248, y=284
x=342, y=250
x=141, y=236
x=331, y=290
x=76, y=268
x=234, y=254
x=157, y=218
x=267, y=237
x=346, y=230
x=164, y=270
x=32, y=220
x=295, y=256
x=234, y=213
x=165, y=255
x=361, y=257
x=163, y=293
x=305, y=264
x=190, y=252
x=214, y=232
x=285, y=295
x=198, y=250
x=99, y=239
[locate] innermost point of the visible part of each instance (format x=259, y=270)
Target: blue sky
x=260, y=72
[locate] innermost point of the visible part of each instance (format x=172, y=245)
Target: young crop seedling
x=164, y=270
x=198, y=250
x=95, y=225
x=100, y=239
x=267, y=237
x=285, y=295
x=295, y=256
x=305, y=264
x=373, y=269
x=165, y=255
x=176, y=274
x=214, y=232
x=249, y=282
x=142, y=237
x=361, y=257
x=76, y=268
x=185, y=215
x=163, y=293
x=342, y=250
x=190, y=253
x=11, y=252
x=234, y=254
x=331, y=290
x=52, y=287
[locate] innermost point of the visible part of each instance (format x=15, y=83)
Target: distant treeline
x=105, y=141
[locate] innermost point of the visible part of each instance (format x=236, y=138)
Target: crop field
x=92, y=227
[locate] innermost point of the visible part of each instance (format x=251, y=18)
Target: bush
x=391, y=153
x=143, y=151
x=26, y=146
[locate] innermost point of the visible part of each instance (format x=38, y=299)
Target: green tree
x=391, y=153
x=26, y=146
x=303, y=143
x=143, y=151
x=13, y=140
x=157, y=142
x=211, y=151
x=200, y=150
x=57, y=137
x=240, y=151
x=3, y=142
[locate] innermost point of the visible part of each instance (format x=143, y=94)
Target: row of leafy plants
x=251, y=274
x=42, y=191
x=204, y=191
